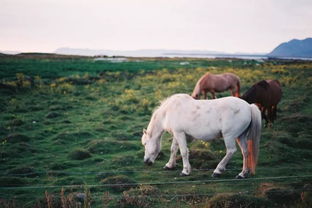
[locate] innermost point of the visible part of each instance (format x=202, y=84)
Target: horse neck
x=249, y=96
x=155, y=128
x=196, y=89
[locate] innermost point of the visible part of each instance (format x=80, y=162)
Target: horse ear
x=144, y=131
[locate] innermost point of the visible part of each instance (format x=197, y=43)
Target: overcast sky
x=218, y=25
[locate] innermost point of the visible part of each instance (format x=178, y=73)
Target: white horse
x=182, y=116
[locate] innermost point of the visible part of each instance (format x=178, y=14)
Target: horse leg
x=230, y=150
x=232, y=91
x=213, y=95
x=264, y=116
x=242, y=142
x=274, y=109
x=172, y=161
x=270, y=115
x=181, y=140
x=205, y=94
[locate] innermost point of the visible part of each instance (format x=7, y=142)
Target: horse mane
x=203, y=78
x=263, y=83
x=162, y=105
x=250, y=95
x=277, y=82
x=199, y=83
x=160, y=110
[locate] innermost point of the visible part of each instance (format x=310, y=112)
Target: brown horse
x=266, y=94
x=216, y=83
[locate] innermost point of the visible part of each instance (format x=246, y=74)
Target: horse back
x=220, y=82
x=208, y=119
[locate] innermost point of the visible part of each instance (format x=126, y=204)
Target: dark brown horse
x=216, y=83
x=266, y=94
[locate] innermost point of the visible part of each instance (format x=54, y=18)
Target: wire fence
x=78, y=172
x=194, y=182
x=173, y=195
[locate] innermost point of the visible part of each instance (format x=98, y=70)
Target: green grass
x=80, y=127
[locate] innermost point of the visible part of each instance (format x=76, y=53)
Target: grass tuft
x=79, y=154
x=119, y=183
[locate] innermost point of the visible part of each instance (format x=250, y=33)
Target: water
x=237, y=56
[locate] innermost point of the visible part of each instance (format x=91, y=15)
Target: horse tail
x=253, y=138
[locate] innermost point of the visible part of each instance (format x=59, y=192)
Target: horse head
x=195, y=96
x=196, y=92
x=152, y=147
x=256, y=92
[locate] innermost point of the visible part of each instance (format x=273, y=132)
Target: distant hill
x=294, y=48
x=134, y=53
x=10, y=52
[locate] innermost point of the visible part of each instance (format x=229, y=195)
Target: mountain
x=10, y=52
x=294, y=48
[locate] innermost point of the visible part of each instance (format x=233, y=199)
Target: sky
x=249, y=26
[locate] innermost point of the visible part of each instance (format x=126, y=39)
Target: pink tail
x=254, y=134
x=237, y=94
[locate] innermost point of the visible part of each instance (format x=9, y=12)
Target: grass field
x=70, y=130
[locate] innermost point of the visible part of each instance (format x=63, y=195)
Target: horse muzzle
x=148, y=162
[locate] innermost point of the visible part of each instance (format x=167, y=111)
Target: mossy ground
x=80, y=127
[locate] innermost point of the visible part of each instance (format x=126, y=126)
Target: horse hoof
x=215, y=175
x=239, y=177
x=168, y=168
x=183, y=174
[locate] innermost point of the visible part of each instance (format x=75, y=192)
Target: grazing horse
x=184, y=117
x=266, y=94
x=216, y=83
